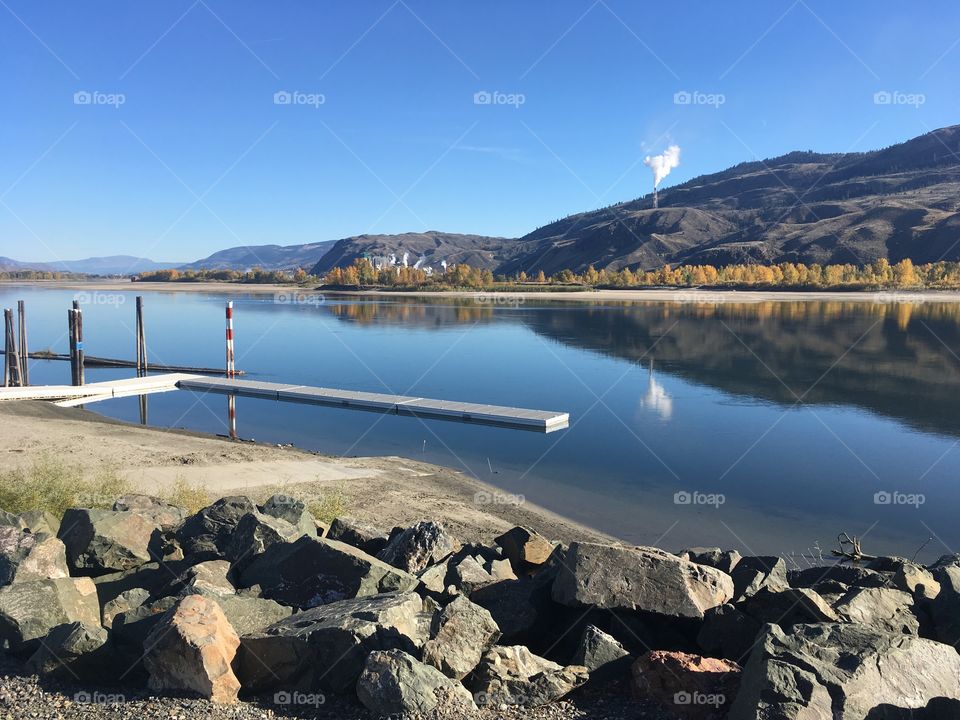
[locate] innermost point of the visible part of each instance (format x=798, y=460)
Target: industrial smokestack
x=661, y=165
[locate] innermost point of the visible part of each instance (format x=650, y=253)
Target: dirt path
x=385, y=491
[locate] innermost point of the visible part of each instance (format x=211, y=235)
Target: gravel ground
x=23, y=695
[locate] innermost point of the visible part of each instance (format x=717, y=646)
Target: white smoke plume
x=663, y=163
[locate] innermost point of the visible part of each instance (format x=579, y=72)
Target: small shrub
x=328, y=504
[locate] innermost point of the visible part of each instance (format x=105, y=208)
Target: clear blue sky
x=199, y=157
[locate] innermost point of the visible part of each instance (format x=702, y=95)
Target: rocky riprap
x=248, y=611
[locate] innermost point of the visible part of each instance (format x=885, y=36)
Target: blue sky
x=182, y=149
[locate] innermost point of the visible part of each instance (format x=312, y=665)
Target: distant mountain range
x=898, y=202
x=112, y=265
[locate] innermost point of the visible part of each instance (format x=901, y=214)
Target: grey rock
x=787, y=607
x=315, y=571
x=291, y=510
x=515, y=676
x=247, y=613
x=755, y=572
x=152, y=577
x=417, y=547
x=516, y=605
x=161, y=513
x=361, y=535
x=601, y=655
x=852, y=575
x=74, y=650
x=638, y=578
x=728, y=633
x=131, y=628
x=124, y=602
x=394, y=683
x=885, y=609
x=945, y=608
x=916, y=580
x=104, y=541
x=326, y=647
x=842, y=672
x=462, y=633
x=31, y=609
x=724, y=560
x=25, y=556
x=207, y=533
x=255, y=532
x=39, y=521
x=209, y=575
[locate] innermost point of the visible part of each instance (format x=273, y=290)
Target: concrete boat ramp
x=518, y=418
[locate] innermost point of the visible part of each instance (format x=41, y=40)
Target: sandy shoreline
x=384, y=491
x=680, y=295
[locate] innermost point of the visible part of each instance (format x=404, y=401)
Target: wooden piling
x=24, y=352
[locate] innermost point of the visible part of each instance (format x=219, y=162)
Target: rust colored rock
x=691, y=687
x=192, y=649
x=526, y=549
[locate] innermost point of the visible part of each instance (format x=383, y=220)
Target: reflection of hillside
x=901, y=366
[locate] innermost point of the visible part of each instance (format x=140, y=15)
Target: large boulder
x=916, y=580
x=753, y=573
x=153, y=577
x=316, y=571
x=130, y=630
x=395, y=683
x=882, y=608
x=325, y=647
x=74, y=650
x=526, y=549
x=39, y=521
x=515, y=676
x=361, y=535
x=842, y=672
x=207, y=533
x=601, y=654
x=462, y=633
x=614, y=577
x=688, y=686
x=31, y=609
x=25, y=556
x=417, y=547
x=161, y=513
x=517, y=605
x=106, y=541
x=209, y=575
x=192, y=649
x=851, y=575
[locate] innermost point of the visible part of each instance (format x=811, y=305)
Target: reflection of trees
x=894, y=359
x=412, y=313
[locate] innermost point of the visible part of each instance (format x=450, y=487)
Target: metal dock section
x=68, y=395
x=520, y=418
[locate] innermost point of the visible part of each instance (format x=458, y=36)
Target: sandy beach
x=679, y=295
x=384, y=491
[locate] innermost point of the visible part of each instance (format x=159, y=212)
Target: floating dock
x=518, y=418
x=521, y=418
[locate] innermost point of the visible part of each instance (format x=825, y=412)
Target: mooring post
x=7, y=357
x=72, y=324
x=24, y=353
x=141, y=340
x=80, y=347
x=15, y=378
x=230, y=368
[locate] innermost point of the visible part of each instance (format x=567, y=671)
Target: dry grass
x=52, y=485
x=192, y=497
x=324, y=503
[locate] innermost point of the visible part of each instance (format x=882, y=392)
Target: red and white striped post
x=231, y=371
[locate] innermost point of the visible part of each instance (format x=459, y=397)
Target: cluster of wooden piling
x=16, y=370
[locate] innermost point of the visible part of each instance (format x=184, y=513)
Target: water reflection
x=656, y=399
